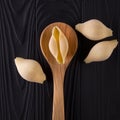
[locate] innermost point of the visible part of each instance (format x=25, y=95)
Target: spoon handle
x=58, y=96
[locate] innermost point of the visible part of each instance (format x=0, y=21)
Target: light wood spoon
x=58, y=70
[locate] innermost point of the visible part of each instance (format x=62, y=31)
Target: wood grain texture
x=58, y=70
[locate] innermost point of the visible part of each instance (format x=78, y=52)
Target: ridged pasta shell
x=94, y=30
x=30, y=70
x=101, y=51
x=58, y=45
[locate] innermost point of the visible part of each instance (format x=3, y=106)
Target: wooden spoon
x=58, y=70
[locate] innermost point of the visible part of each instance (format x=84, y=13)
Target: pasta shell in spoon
x=58, y=45
x=30, y=70
x=94, y=30
x=101, y=51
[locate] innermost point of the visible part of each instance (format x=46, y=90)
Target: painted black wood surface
x=92, y=91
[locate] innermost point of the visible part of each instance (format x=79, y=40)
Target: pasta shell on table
x=58, y=45
x=101, y=51
x=30, y=70
x=94, y=30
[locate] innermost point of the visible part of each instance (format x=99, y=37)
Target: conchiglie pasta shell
x=58, y=45
x=30, y=70
x=101, y=51
x=94, y=30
